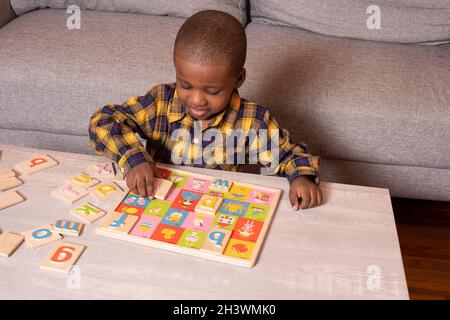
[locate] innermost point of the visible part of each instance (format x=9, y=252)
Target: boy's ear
x=240, y=79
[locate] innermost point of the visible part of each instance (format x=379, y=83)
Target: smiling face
x=205, y=90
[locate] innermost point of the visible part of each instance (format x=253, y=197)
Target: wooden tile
x=216, y=240
x=6, y=173
x=9, y=242
x=10, y=198
x=118, y=222
x=87, y=212
x=69, y=193
x=63, y=257
x=101, y=170
x=35, y=164
x=40, y=236
x=208, y=204
x=82, y=180
x=222, y=185
x=8, y=183
x=162, y=188
x=66, y=227
x=105, y=191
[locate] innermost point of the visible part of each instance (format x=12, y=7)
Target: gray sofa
x=373, y=103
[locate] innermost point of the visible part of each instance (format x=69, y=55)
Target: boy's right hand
x=140, y=179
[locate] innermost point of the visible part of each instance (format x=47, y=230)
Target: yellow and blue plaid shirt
x=158, y=116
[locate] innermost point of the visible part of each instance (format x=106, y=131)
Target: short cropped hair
x=212, y=36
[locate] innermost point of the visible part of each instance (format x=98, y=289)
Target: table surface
x=345, y=249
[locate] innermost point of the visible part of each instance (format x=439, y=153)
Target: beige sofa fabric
x=405, y=21
x=174, y=8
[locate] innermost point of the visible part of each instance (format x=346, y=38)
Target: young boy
x=209, y=56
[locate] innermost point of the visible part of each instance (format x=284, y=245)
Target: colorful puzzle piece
x=222, y=185
x=35, y=164
x=145, y=226
x=63, y=257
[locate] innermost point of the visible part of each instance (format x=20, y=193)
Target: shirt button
x=196, y=141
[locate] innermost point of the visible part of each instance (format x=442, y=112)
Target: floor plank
x=424, y=234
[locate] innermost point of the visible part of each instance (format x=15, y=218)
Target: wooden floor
x=424, y=233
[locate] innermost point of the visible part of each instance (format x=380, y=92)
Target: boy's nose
x=198, y=99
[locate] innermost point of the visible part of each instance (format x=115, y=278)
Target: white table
x=345, y=249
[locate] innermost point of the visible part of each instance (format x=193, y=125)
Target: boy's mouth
x=198, y=112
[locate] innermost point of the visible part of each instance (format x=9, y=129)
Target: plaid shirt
x=158, y=115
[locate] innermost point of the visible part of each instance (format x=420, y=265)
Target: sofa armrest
x=6, y=12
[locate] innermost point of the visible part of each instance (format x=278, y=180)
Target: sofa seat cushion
x=53, y=79
x=352, y=99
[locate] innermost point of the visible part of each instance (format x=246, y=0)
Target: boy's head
x=209, y=56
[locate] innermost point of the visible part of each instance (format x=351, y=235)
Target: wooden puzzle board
x=233, y=234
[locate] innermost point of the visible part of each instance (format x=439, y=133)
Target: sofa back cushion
x=404, y=21
x=174, y=8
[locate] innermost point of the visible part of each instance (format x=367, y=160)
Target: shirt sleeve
x=284, y=157
x=113, y=128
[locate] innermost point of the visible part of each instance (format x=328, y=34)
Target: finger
x=158, y=173
x=142, y=188
x=294, y=200
x=319, y=196
x=306, y=198
x=313, y=195
x=150, y=186
x=131, y=184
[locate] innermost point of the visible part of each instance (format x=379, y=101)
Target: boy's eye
x=213, y=93
x=186, y=87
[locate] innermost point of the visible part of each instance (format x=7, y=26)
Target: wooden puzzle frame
x=249, y=263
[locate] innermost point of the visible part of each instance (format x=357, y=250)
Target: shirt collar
x=177, y=112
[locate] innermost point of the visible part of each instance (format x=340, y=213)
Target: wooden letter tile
x=118, y=222
x=9, y=242
x=9, y=198
x=216, y=240
x=35, y=164
x=69, y=193
x=208, y=204
x=105, y=191
x=101, y=170
x=82, y=180
x=63, y=257
x=162, y=188
x=6, y=173
x=40, y=236
x=70, y=228
x=8, y=183
x=87, y=212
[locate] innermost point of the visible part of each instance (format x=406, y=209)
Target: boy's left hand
x=304, y=193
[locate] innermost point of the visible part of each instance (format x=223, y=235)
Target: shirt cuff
x=310, y=174
x=131, y=159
